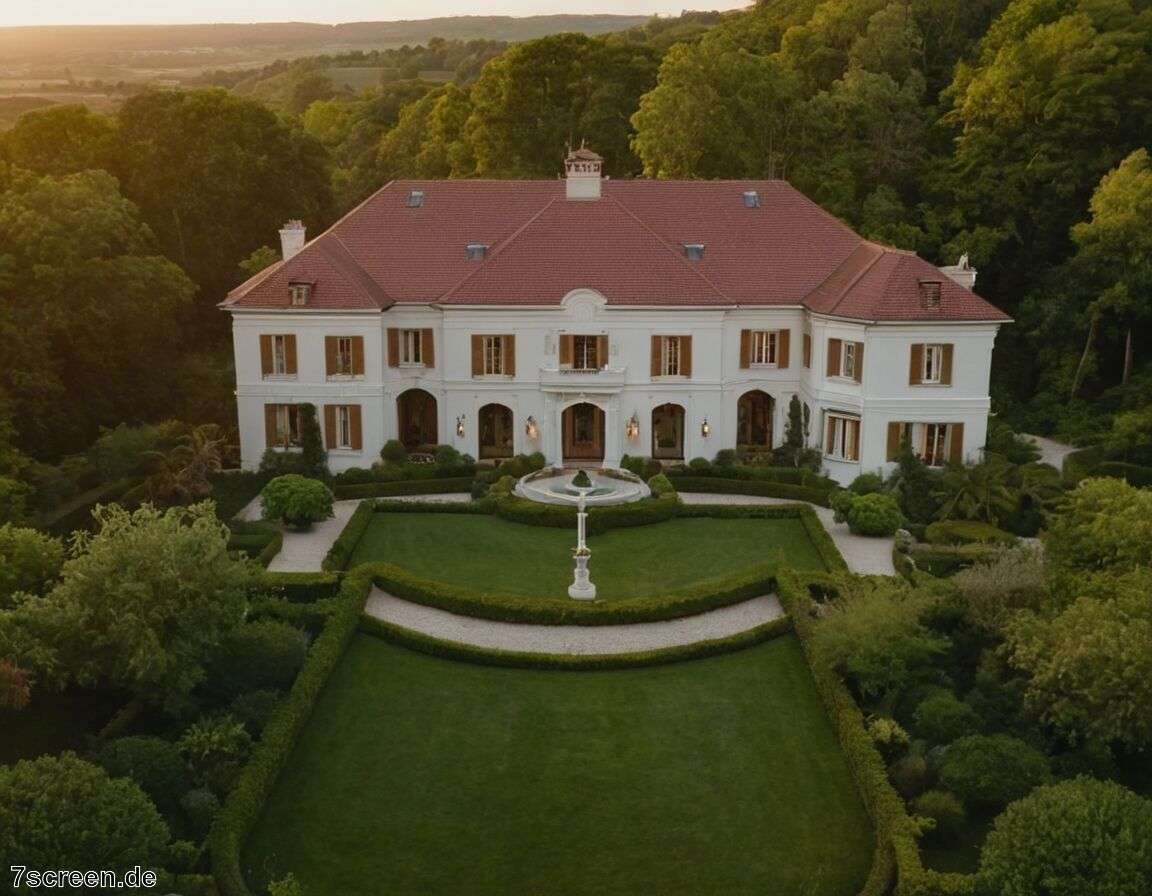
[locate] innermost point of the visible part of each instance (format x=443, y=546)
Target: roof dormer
x=583, y=171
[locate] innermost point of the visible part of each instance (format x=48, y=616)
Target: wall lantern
x=460, y=426
x=530, y=428
x=705, y=429
x=633, y=428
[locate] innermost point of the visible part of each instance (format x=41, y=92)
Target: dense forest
x=1013, y=130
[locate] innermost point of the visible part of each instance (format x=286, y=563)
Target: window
x=279, y=355
x=751, y=199
x=933, y=444
x=842, y=440
x=585, y=355
x=764, y=345
x=930, y=293
x=807, y=349
x=410, y=347
x=416, y=199
x=343, y=426
x=344, y=364
x=932, y=370
x=300, y=293
x=477, y=251
x=287, y=433
x=670, y=356
x=848, y=360
x=493, y=355
x=694, y=251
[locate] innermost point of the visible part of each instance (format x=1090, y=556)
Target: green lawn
x=419, y=776
x=512, y=558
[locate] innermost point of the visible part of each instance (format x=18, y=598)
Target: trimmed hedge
x=1134, y=474
x=743, y=472
x=312, y=616
x=77, y=513
x=966, y=532
x=1082, y=463
x=761, y=488
x=302, y=587
x=521, y=660
x=466, y=601
x=946, y=559
x=271, y=549
x=344, y=546
x=600, y=519
x=246, y=801
x=403, y=487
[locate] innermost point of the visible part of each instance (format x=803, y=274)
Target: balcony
x=593, y=379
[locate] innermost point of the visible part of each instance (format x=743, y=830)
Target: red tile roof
x=628, y=245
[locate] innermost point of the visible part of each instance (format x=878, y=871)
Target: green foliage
x=981, y=492
x=725, y=457
x=201, y=806
x=296, y=500
x=340, y=554
x=394, y=452
x=992, y=770
x=63, y=812
x=866, y=484
x=256, y=656
x=13, y=498
x=873, y=634
x=1075, y=838
x=889, y=737
x=1103, y=524
x=29, y=561
x=765, y=488
x=403, y=487
x=874, y=514
x=913, y=484
x=1004, y=442
x=966, y=532
x=942, y=718
x=581, y=480
x=995, y=590
x=61, y=140
x=946, y=812
x=153, y=763
x=254, y=709
x=215, y=748
x=285, y=886
x=313, y=457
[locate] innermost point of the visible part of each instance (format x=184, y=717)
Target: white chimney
x=582, y=168
x=962, y=272
x=291, y=238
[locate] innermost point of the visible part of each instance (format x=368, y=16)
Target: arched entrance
x=668, y=432
x=495, y=431
x=583, y=426
x=754, y=413
x=416, y=415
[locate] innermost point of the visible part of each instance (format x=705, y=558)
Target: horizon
x=85, y=13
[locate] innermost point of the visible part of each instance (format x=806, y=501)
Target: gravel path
x=864, y=556
x=1051, y=451
x=580, y=640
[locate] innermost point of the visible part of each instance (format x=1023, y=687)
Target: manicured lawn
x=512, y=558
x=419, y=776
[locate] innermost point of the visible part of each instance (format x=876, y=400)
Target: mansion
x=588, y=318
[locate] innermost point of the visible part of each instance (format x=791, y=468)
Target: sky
x=115, y=12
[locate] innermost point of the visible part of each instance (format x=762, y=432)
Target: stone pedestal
x=581, y=587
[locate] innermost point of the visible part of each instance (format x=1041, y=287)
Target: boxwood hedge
x=345, y=545
x=403, y=487
x=760, y=487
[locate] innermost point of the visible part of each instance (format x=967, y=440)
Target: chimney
x=582, y=168
x=291, y=238
x=962, y=272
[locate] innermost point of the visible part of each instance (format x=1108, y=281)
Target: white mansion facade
x=587, y=319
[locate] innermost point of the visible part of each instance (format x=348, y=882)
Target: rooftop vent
x=694, y=251
x=477, y=251
x=751, y=199
x=930, y=291
x=300, y=292
x=416, y=199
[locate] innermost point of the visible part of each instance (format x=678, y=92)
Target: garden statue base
x=581, y=588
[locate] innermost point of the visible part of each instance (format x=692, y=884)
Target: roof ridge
x=350, y=267
x=864, y=244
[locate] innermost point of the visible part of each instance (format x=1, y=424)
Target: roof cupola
x=583, y=170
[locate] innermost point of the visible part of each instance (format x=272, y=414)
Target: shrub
x=257, y=656
x=393, y=488
x=632, y=464
x=942, y=718
x=946, y=812
x=254, y=709
x=966, y=532
x=996, y=589
x=1133, y=474
x=699, y=465
x=29, y=561
x=992, y=770
x=1103, y=523
x=1075, y=838
x=661, y=486
x=447, y=456
x=581, y=480
x=910, y=775
x=153, y=763
x=866, y=484
x=725, y=457
x=652, y=467
x=340, y=554
x=285, y=886
x=875, y=514
x=354, y=476
x=215, y=748
x=296, y=501
x=502, y=486
x=888, y=736
x=200, y=808
x=536, y=461
x=394, y=452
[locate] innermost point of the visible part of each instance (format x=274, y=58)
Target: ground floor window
x=668, y=432
x=930, y=441
x=842, y=438
x=283, y=425
x=343, y=426
x=495, y=431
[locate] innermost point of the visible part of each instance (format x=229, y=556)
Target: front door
x=583, y=433
x=668, y=432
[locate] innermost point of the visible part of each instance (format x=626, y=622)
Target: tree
x=912, y=483
x=60, y=140
x=296, y=500
x=1090, y=666
x=313, y=457
x=1076, y=838
x=260, y=655
x=992, y=770
x=63, y=812
x=152, y=763
x=182, y=475
x=1101, y=524
x=979, y=492
x=141, y=602
x=29, y=561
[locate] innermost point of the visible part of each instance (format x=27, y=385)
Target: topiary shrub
x=1076, y=838
x=966, y=532
x=502, y=487
x=661, y=485
x=652, y=467
x=354, y=476
x=942, y=718
x=699, y=465
x=946, y=812
x=313, y=457
x=725, y=457
x=536, y=461
x=200, y=808
x=153, y=763
x=632, y=464
x=296, y=501
x=876, y=515
x=394, y=453
x=889, y=737
x=581, y=480
x=263, y=655
x=991, y=771
x=866, y=484
x=447, y=456
x=215, y=749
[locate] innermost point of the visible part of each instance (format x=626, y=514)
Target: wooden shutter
x=427, y=348
x=894, y=434
x=834, y=357
x=783, y=346
x=290, y=355
x=601, y=351
x=265, y=355
x=855, y=427
x=956, y=448
x=807, y=349
x=859, y=362
x=566, y=349
x=477, y=356
x=510, y=355
x=745, y=349
x=330, y=345
x=270, y=426
x=329, y=426
x=657, y=345
x=829, y=435
x=355, y=425
x=358, y=356
x=916, y=365
x=393, y=347
x=946, y=369
x=686, y=356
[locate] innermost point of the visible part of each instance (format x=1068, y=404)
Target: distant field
x=355, y=79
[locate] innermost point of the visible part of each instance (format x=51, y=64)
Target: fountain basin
x=553, y=485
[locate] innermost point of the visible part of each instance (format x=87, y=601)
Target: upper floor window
x=848, y=360
x=586, y=352
x=845, y=359
x=411, y=348
x=764, y=345
x=931, y=364
x=278, y=355
x=493, y=355
x=842, y=438
x=670, y=356
x=344, y=365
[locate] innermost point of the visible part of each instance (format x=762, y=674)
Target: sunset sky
x=104, y=12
